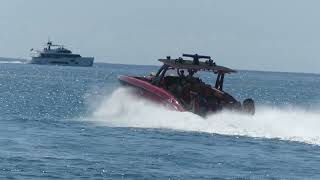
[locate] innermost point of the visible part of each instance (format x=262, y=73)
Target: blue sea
x=79, y=123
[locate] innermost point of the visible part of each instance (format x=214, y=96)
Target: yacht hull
x=79, y=61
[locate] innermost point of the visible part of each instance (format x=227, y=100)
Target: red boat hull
x=152, y=92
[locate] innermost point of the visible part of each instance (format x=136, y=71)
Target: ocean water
x=79, y=123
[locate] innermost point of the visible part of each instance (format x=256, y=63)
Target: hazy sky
x=276, y=35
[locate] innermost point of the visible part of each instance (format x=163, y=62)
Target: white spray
x=121, y=109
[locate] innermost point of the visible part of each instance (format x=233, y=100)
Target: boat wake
x=120, y=109
x=12, y=62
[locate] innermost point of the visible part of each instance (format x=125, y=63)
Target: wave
x=120, y=109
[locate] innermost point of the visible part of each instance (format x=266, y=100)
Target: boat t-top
x=183, y=91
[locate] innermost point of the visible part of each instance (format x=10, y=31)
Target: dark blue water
x=75, y=123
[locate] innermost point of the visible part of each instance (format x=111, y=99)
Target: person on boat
x=182, y=74
x=191, y=72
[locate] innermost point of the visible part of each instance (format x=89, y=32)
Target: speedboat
x=184, y=90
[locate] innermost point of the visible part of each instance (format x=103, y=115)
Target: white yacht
x=54, y=54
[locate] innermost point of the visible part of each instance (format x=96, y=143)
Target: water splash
x=121, y=109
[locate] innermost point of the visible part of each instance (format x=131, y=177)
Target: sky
x=269, y=35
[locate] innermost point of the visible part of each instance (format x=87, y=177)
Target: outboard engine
x=248, y=106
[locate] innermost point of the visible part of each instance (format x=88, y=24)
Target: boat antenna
x=49, y=43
